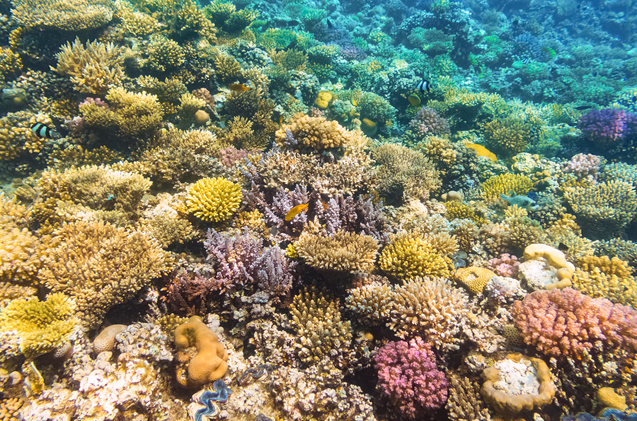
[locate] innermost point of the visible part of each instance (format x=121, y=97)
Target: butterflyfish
x=295, y=211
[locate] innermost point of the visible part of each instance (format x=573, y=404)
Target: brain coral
x=409, y=256
x=214, y=199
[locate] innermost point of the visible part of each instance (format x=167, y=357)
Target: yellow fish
x=238, y=87
x=295, y=211
x=354, y=102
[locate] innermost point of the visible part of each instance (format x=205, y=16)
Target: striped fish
x=41, y=130
x=424, y=85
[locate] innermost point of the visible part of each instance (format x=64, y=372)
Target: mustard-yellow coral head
x=213, y=199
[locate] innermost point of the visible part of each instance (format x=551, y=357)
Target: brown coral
x=316, y=133
x=344, y=251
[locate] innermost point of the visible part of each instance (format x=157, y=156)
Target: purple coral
x=505, y=265
x=408, y=376
x=566, y=323
x=609, y=128
x=428, y=122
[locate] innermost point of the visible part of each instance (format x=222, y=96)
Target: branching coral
x=319, y=329
x=73, y=15
x=16, y=137
x=343, y=251
x=506, y=183
x=43, y=326
x=409, y=256
x=315, y=134
x=509, y=136
x=465, y=403
x=565, y=323
x=404, y=174
x=371, y=302
x=603, y=209
x=430, y=308
x=214, y=199
x=602, y=277
x=408, y=376
x=100, y=266
x=94, y=68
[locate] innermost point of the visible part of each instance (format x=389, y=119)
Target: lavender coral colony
x=318, y=210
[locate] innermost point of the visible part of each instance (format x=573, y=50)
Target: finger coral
x=319, y=329
x=430, y=308
x=93, y=68
x=100, y=266
x=343, y=251
x=565, y=323
x=42, y=325
x=409, y=378
x=505, y=184
x=214, y=199
x=409, y=256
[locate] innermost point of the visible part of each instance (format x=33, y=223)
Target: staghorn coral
x=100, y=266
x=404, y=174
x=42, y=326
x=506, y=183
x=213, y=199
x=94, y=68
x=603, y=209
x=319, y=329
x=73, y=15
x=565, y=323
x=465, y=403
x=430, y=308
x=408, y=377
x=409, y=256
x=342, y=251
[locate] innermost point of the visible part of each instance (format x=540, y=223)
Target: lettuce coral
x=214, y=199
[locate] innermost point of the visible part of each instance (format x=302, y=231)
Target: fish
x=295, y=211
x=583, y=107
x=424, y=85
x=238, y=87
x=526, y=60
x=562, y=247
x=414, y=100
x=41, y=130
x=329, y=24
x=354, y=102
x=281, y=119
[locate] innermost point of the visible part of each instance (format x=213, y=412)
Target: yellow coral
x=10, y=64
x=316, y=133
x=342, y=251
x=214, y=199
x=16, y=136
x=65, y=15
x=460, y=210
x=602, y=277
x=474, y=278
x=409, y=256
x=506, y=183
x=42, y=326
x=94, y=68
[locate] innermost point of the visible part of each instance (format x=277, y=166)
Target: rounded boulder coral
x=213, y=199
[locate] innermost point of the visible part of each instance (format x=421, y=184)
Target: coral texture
x=214, y=199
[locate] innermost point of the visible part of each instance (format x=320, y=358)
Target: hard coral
x=72, y=15
x=100, y=266
x=506, y=183
x=315, y=133
x=565, y=323
x=408, y=376
x=16, y=137
x=343, y=251
x=409, y=256
x=474, y=278
x=214, y=199
x=509, y=136
x=209, y=362
x=610, y=129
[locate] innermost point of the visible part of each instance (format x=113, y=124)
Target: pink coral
x=230, y=155
x=505, y=265
x=565, y=323
x=583, y=166
x=408, y=376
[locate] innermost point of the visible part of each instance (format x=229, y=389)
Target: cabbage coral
x=213, y=199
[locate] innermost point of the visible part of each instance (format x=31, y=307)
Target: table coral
x=43, y=326
x=209, y=362
x=213, y=199
x=74, y=15
x=565, y=323
x=99, y=265
x=408, y=377
x=343, y=251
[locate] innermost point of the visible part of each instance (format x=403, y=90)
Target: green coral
x=43, y=326
x=511, y=135
x=375, y=108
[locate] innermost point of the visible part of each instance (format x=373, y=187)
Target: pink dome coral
x=564, y=323
x=408, y=376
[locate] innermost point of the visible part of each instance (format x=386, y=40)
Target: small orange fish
x=281, y=119
x=295, y=211
x=238, y=87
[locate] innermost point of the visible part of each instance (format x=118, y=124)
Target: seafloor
x=318, y=210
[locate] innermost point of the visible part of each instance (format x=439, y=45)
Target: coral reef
x=343, y=251
x=213, y=199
